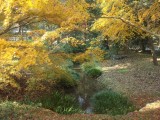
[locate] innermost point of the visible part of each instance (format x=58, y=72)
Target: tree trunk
x=126, y=48
x=153, y=51
x=143, y=46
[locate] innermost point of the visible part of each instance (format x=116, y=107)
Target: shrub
x=87, y=66
x=91, y=69
x=109, y=102
x=60, y=103
x=65, y=82
x=94, y=73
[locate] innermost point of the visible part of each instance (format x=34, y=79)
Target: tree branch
x=21, y=21
x=132, y=24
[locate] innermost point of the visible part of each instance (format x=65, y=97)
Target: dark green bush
x=60, y=103
x=94, y=72
x=112, y=103
x=91, y=69
x=65, y=82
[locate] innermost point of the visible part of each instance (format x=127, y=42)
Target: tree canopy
x=24, y=12
x=123, y=18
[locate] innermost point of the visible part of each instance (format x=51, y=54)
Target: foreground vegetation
x=140, y=96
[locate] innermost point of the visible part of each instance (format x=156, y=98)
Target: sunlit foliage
x=24, y=12
x=91, y=54
x=29, y=66
x=121, y=19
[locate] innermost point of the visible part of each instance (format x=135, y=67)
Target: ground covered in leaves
x=136, y=77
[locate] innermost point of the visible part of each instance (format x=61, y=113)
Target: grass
x=122, y=70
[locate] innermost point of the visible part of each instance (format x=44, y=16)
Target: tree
x=123, y=19
x=25, y=12
x=30, y=62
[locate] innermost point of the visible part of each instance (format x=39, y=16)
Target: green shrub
x=87, y=66
x=94, y=72
x=112, y=103
x=91, y=69
x=60, y=103
x=64, y=82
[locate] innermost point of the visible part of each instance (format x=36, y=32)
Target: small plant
x=112, y=103
x=60, y=103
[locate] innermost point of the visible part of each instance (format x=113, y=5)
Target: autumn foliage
x=54, y=45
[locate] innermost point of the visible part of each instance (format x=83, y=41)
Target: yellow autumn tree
x=121, y=19
x=31, y=61
x=24, y=12
x=27, y=67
